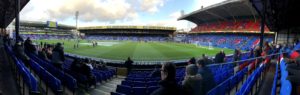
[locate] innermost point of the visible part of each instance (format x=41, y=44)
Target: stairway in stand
x=103, y=88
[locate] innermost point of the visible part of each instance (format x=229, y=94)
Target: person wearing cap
x=192, y=83
x=207, y=76
x=58, y=57
x=168, y=84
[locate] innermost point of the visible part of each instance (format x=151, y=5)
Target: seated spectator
x=58, y=56
x=168, y=82
x=192, y=83
x=49, y=51
x=87, y=71
x=192, y=60
x=207, y=61
x=76, y=65
x=207, y=76
x=42, y=53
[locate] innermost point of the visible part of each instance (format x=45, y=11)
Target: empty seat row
x=127, y=90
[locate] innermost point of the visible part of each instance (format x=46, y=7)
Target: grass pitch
x=142, y=51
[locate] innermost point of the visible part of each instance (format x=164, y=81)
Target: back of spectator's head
x=191, y=69
x=168, y=71
x=201, y=63
x=58, y=44
x=86, y=60
x=192, y=60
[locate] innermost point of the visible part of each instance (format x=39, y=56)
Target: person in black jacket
x=208, y=77
x=128, y=64
x=58, y=57
x=29, y=46
x=219, y=58
x=168, y=82
x=19, y=50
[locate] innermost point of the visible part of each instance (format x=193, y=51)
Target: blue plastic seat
x=116, y=93
x=127, y=83
x=286, y=88
x=139, y=84
x=124, y=89
x=139, y=90
x=151, y=89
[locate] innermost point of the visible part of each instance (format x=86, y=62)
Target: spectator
x=192, y=60
x=42, y=53
x=207, y=76
x=192, y=83
x=128, y=64
x=29, y=46
x=207, y=61
x=19, y=50
x=237, y=54
x=219, y=58
x=87, y=71
x=76, y=65
x=168, y=82
x=49, y=51
x=58, y=56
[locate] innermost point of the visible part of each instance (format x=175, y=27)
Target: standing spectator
x=58, y=56
x=237, y=54
x=168, y=82
x=192, y=83
x=19, y=50
x=128, y=64
x=207, y=76
x=219, y=58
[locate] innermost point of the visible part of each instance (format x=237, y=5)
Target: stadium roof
x=227, y=10
x=7, y=11
x=128, y=27
x=279, y=14
x=44, y=25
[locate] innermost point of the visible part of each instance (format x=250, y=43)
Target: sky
x=114, y=12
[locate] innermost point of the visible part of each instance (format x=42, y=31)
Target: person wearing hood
x=58, y=57
x=192, y=83
x=168, y=84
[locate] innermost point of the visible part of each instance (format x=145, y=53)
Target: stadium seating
x=274, y=87
x=65, y=78
x=122, y=38
x=45, y=36
x=23, y=71
x=244, y=42
x=237, y=25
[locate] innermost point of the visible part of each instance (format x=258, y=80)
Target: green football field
x=142, y=51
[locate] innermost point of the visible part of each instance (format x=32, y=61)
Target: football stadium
x=236, y=47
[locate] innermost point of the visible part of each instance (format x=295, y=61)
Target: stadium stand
x=46, y=36
x=124, y=38
x=236, y=26
x=232, y=41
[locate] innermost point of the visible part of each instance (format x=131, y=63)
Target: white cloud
x=89, y=10
x=151, y=6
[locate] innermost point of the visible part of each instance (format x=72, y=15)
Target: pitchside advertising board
x=52, y=24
